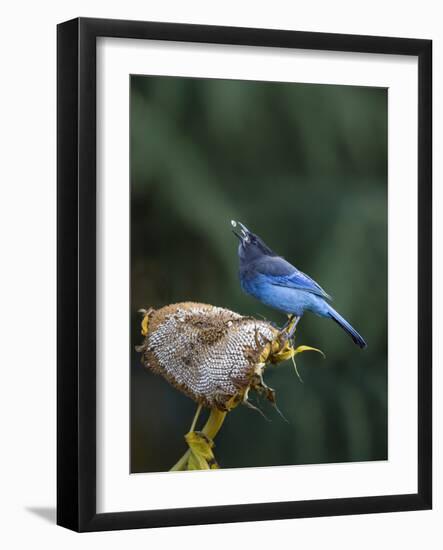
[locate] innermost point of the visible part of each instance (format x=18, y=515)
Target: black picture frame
x=76, y=266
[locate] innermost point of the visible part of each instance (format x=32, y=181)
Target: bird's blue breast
x=287, y=299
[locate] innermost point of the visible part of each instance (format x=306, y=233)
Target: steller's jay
x=280, y=285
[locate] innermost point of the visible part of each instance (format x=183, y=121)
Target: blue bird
x=280, y=285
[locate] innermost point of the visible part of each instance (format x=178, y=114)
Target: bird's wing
x=300, y=281
x=281, y=273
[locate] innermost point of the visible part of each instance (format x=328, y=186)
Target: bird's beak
x=239, y=230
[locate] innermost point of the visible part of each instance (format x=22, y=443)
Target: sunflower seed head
x=207, y=352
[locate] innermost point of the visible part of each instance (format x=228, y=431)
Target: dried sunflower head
x=211, y=354
x=215, y=356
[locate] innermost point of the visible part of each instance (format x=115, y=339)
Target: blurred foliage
x=304, y=166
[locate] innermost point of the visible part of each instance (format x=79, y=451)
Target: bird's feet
x=293, y=326
x=288, y=322
x=289, y=328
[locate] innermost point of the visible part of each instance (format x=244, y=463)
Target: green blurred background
x=305, y=167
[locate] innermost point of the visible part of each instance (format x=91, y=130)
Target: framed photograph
x=244, y=274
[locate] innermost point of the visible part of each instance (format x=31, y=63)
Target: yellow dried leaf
x=201, y=457
x=301, y=349
x=145, y=324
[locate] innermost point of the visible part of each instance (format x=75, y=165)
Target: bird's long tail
x=359, y=340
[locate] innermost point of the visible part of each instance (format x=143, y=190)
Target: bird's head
x=251, y=247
